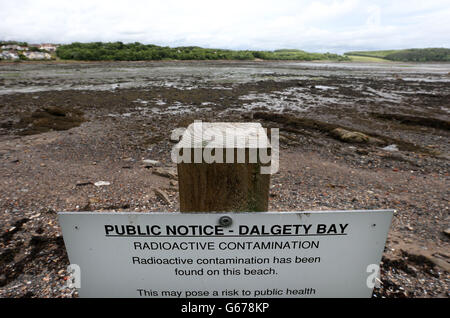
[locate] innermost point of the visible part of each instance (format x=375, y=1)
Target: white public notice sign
x=261, y=254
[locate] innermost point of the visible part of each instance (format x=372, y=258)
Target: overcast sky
x=321, y=25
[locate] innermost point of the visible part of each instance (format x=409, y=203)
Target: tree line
x=421, y=55
x=118, y=51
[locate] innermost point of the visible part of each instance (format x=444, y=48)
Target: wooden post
x=220, y=168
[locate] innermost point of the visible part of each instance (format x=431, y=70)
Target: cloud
x=374, y=17
x=316, y=25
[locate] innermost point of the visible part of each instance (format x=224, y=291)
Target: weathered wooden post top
x=223, y=167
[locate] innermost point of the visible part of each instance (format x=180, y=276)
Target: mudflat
x=352, y=136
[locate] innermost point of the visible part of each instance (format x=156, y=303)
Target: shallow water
x=312, y=86
x=28, y=78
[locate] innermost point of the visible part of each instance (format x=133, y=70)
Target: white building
x=37, y=55
x=6, y=55
x=48, y=47
x=14, y=47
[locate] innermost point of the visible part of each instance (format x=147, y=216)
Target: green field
x=357, y=58
x=376, y=54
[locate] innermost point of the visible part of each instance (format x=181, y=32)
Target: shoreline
x=52, y=62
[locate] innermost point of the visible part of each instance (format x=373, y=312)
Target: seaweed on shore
x=49, y=118
x=414, y=120
x=338, y=131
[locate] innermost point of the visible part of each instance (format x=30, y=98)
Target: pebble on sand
x=102, y=183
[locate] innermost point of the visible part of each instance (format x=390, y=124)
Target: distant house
x=12, y=47
x=37, y=55
x=48, y=47
x=6, y=55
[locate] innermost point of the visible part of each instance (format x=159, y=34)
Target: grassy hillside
x=291, y=54
x=407, y=55
x=357, y=58
x=378, y=54
x=118, y=51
